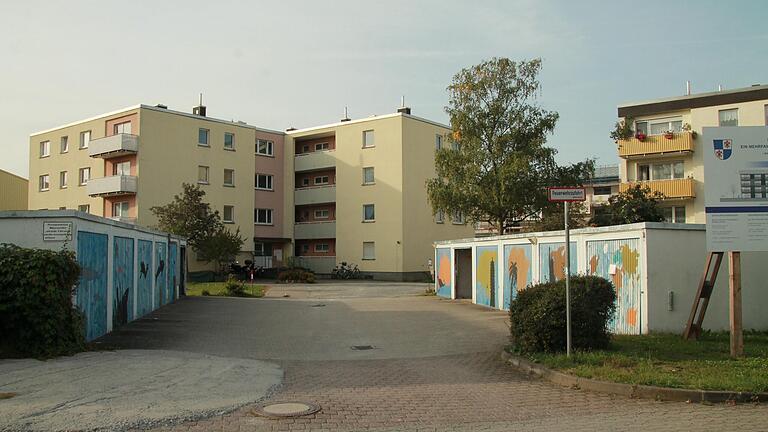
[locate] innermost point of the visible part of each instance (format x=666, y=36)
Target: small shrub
x=296, y=275
x=234, y=288
x=205, y=293
x=537, y=315
x=37, y=317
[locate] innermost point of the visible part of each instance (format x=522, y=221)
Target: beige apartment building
x=666, y=152
x=279, y=188
x=13, y=191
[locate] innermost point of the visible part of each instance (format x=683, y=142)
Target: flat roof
x=697, y=100
x=15, y=175
x=366, y=119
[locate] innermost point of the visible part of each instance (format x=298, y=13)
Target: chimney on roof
x=687, y=88
x=162, y=106
x=290, y=129
x=403, y=109
x=346, y=115
x=200, y=108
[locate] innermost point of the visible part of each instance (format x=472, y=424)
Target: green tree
x=221, y=247
x=553, y=218
x=637, y=204
x=189, y=216
x=497, y=167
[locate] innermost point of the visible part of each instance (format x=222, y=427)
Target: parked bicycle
x=345, y=271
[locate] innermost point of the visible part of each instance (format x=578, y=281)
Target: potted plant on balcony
x=669, y=134
x=640, y=136
x=622, y=130
x=687, y=128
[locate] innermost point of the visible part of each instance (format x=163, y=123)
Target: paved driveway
x=434, y=366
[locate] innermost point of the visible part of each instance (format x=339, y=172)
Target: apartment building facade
x=666, y=151
x=13, y=191
x=278, y=188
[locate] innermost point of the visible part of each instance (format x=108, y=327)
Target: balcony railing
x=114, y=146
x=681, y=142
x=124, y=219
x=315, y=160
x=112, y=185
x=314, y=230
x=315, y=195
x=673, y=189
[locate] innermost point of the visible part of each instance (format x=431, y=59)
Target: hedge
x=37, y=317
x=537, y=315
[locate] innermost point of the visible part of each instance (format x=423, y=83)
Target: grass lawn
x=217, y=289
x=669, y=361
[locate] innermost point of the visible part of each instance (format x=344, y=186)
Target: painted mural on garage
x=518, y=271
x=172, y=276
x=122, y=281
x=92, y=290
x=443, y=276
x=619, y=262
x=161, y=274
x=486, y=266
x=552, y=261
x=145, y=275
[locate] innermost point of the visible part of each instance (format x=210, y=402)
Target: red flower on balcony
x=640, y=136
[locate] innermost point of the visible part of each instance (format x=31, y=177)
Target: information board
x=57, y=231
x=736, y=187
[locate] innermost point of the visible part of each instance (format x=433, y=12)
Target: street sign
x=566, y=194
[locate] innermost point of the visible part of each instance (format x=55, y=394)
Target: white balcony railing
x=315, y=195
x=114, y=146
x=315, y=230
x=112, y=185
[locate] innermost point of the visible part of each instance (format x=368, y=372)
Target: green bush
x=205, y=293
x=234, y=288
x=37, y=317
x=296, y=275
x=537, y=315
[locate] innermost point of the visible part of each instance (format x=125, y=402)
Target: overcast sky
x=298, y=63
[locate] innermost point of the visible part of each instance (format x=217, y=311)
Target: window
x=305, y=248
x=322, y=247
x=673, y=214
x=659, y=126
x=45, y=149
x=440, y=217
x=262, y=249
x=455, y=145
x=120, y=209
x=322, y=214
x=368, y=175
x=85, y=139
x=85, y=208
x=64, y=144
x=229, y=141
x=262, y=216
x=63, y=180
x=438, y=142
x=602, y=190
x=264, y=181
x=729, y=117
x=265, y=147
x=122, y=168
x=660, y=171
x=229, y=177
x=305, y=181
x=84, y=176
x=368, y=139
x=369, y=250
x=305, y=148
x=45, y=182
x=202, y=137
x=229, y=214
x=458, y=217
x=322, y=146
x=369, y=213
x=754, y=185
x=202, y=174
x=122, y=128
x=321, y=180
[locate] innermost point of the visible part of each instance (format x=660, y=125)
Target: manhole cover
x=361, y=347
x=287, y=409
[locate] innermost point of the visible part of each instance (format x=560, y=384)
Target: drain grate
x=362, y=347
x=284, y=409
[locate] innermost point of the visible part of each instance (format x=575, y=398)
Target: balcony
x=112, y=186
x=114, y=146
x=672, y=189
x=314, y=160
x=314, y=230
x=681, y=142
x=315, y=195
x=124, y=219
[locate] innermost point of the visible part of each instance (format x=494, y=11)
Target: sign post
x=567, y=195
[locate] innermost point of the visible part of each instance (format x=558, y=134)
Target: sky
x=299, y=63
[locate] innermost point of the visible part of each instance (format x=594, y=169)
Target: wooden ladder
x=703, y=294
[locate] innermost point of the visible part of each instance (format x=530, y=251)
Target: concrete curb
x=629, y=390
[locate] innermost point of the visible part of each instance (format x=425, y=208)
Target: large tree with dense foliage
x=189, y=216
x=637, y=204
x=495, y=166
